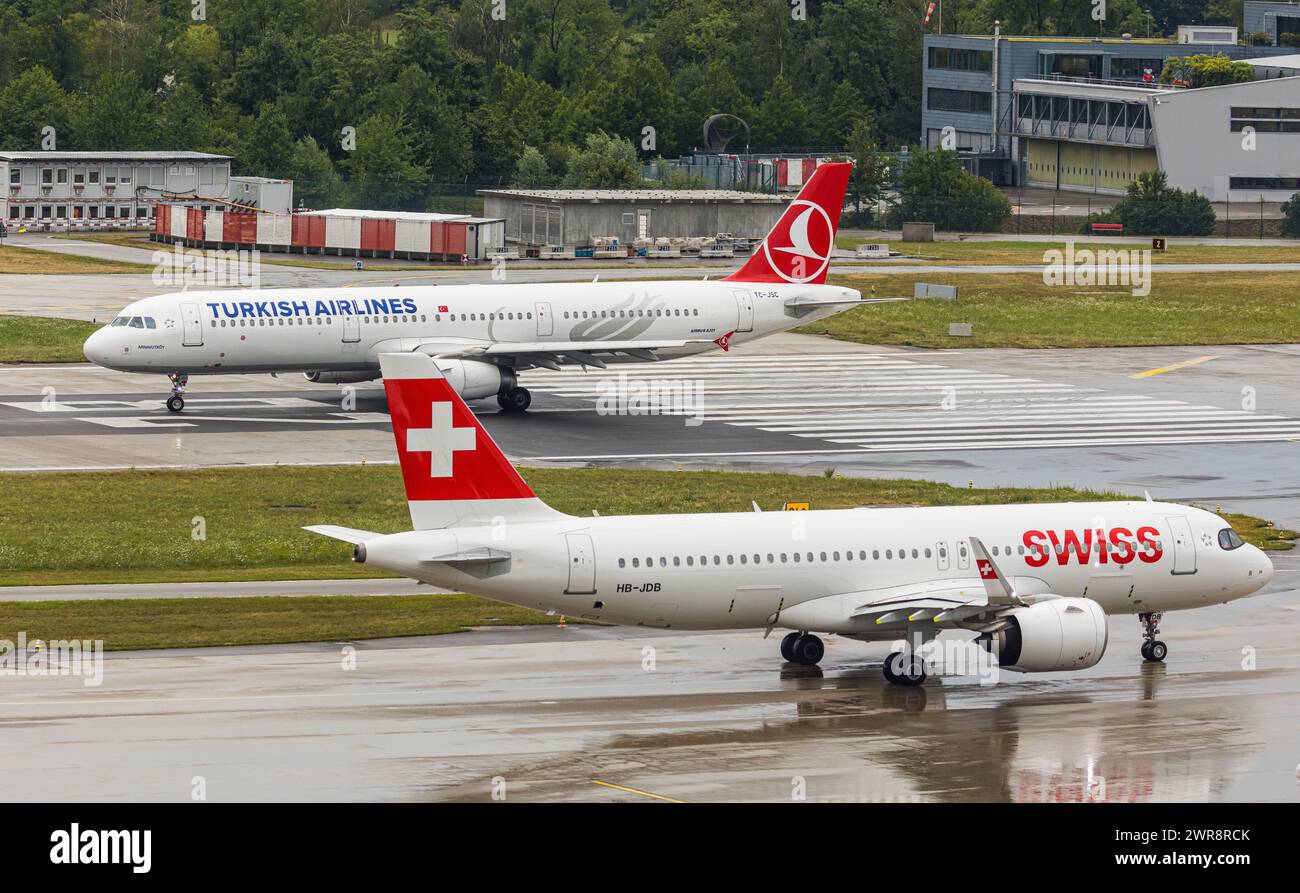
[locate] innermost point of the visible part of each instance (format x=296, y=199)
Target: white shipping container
x=213, y=221
x=180, y=214
x=343, y=232
x=412, y=235
x=274, y=229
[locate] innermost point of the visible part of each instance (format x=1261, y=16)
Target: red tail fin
x=799, y=247
x=453, y=470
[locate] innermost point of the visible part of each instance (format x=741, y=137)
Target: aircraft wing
x=553, y=354
x=810, y=302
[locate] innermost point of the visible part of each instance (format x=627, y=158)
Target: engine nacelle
x=1055, y=634
x=473, y=379
x=340, y=377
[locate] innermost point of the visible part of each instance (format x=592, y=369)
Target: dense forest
x=449, y=91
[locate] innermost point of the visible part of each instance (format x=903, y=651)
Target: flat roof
x=111, y=156
x=1292, y=61
x=383, y=215
x=638, y=195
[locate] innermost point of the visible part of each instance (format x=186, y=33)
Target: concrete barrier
x=918, y=232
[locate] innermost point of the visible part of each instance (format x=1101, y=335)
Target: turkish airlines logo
x=803, y=251
x=724, y=342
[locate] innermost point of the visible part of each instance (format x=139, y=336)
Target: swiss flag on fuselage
x=444, y=451
x=799, y=247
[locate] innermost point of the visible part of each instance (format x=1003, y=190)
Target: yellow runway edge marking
x=619, y=787
x=1170, y=368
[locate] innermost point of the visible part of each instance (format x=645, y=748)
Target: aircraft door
x=544, y=322
x=582, y=564
x=745, y=309
x=963, y=555
x=193, y=325
x=941, y=555
x=351, y=329
x=1184, y=545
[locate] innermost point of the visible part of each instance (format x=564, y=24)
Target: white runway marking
x=899, y=405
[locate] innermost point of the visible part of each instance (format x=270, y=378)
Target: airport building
x=1090, y=115
x=60, y=189
x=1276, y=18
x=575, y=218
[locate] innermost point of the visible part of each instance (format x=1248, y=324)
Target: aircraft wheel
x=905, y=669
x=807, y=650
x=1155, y=650
x=175, y=403
x=787, y=646
x=515, y=400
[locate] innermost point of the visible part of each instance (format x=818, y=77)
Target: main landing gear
x=802, y=648
x=904, y=668
x=176, y=402
x=516, y=399
x=1152, y=648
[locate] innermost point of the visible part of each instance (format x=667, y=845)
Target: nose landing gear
x=176, y=402
x=802, y=648
x=1152, y=648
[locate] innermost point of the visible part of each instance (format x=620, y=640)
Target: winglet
x=996, y=585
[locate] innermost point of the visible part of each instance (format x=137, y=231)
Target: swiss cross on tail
x=799, y=247
x=445, y=454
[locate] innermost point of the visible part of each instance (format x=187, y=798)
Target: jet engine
x=473, y=379
x=340, y=377
x=1054, y=634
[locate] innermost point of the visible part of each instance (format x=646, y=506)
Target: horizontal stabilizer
x=811, y=302
x=346, y=534
x=473, y=556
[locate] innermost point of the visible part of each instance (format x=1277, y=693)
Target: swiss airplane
x=1034, y=582
x=483, y=335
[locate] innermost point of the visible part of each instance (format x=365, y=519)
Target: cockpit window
x=121, y=320
x=1229, y=540
x=149, y=323
x=137, y=322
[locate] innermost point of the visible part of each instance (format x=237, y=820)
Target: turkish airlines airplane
x=483, y=335
x=1036, y=582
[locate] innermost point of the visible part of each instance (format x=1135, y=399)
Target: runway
x=1222, y=429
x=605, y=714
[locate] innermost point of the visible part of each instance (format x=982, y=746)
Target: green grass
x=43, y=339
x=136, y=526
x=134, y=624
x=31, y=260
x=1010, y=252
x=1020, y=311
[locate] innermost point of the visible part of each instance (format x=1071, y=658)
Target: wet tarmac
x=607, y=714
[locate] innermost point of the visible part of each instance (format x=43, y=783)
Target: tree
x=117, y=115
x=32, y=101
x=532, y=171
x=781, y=120
x=845, y=110
x=1204, y=70
x=934, y=187
x=1291, y=216
x=1151, y=207
x=384, y=171
x=316, y=183
x=605, y=162
x=268, y=144
x=870, y=176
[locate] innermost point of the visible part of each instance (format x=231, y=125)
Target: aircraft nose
x=96, y=347
x=1266, y=569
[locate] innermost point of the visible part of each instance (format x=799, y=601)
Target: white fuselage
x=813, y=570
x=345, y=329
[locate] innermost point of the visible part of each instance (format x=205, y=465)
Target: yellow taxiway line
x=1173, y=366
x=619, y=787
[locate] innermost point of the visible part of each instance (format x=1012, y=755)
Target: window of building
x=1136, y=69
x=47, y=176
x=1283, y=183
x=15, y=176
x=941, y=99
x=958, y=59
x=1265, y=120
